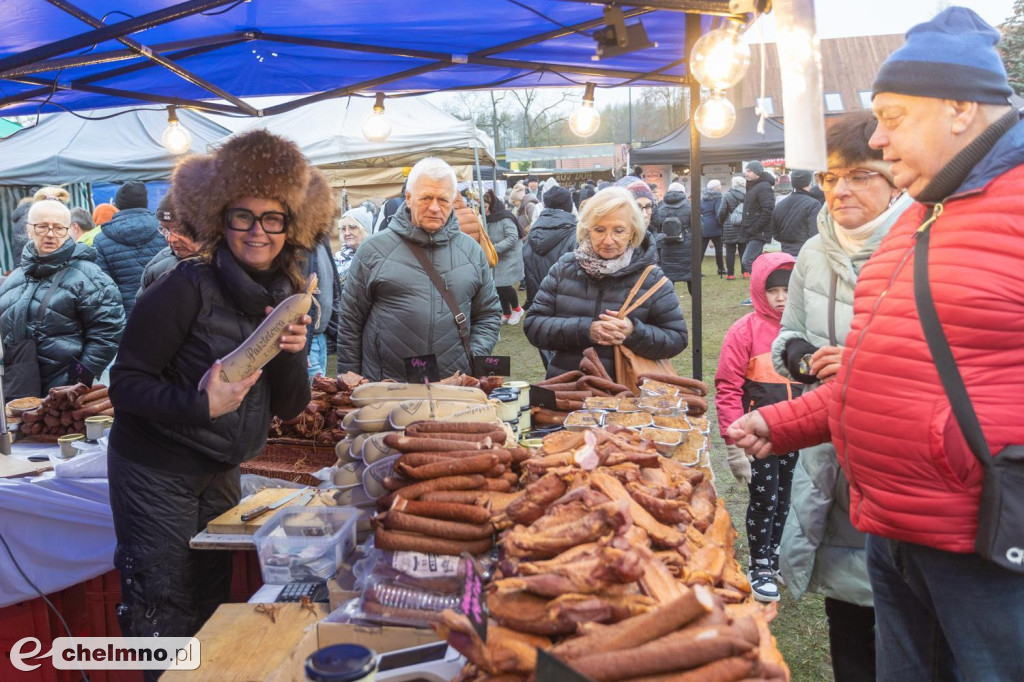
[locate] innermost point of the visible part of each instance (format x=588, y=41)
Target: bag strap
x=832, y=309
x=54, y=285
x=952, y=381
x=435, y=279
x=625, y=309
x=643, y=299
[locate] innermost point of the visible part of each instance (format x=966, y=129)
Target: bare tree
x=537, y=124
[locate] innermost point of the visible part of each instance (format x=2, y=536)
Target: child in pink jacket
x=746, y=380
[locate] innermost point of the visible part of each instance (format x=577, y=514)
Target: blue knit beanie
x=953, y=56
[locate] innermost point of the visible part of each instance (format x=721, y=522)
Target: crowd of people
x=862, y=486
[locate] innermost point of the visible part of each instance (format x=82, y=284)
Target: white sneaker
x=504, y=319
x=516, y=316
x=762, y=583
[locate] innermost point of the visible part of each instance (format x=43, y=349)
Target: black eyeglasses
x=242, y=220
x=42, y=228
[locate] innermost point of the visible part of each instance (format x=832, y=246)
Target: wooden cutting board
x=239, y=643
x=11, y=467
x=230, y=522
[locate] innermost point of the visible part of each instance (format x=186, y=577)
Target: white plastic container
x=305, y=544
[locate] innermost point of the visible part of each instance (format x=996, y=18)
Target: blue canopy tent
x=211, y=54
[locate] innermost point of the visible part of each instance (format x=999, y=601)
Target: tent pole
x=696, y=254
x=480, y=187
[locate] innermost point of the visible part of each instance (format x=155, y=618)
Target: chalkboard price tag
x=492, y=365
x=421, y=368
x=77, y=372
x=542, y=397
x=473, y=604
x=552, y=669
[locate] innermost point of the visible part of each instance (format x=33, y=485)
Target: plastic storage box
x=305, y=544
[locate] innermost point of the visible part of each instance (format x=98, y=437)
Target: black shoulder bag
x=1000, y=537
x=435, y=279
x=21, y=377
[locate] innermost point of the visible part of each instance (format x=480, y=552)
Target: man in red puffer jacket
x=956, y=145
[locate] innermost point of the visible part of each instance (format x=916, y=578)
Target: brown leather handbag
x=629, y=365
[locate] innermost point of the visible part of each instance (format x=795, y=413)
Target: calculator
x=316, y=592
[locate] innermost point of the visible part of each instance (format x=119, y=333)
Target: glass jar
x=342, y=663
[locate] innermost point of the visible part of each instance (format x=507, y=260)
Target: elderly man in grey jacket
x=390, y=309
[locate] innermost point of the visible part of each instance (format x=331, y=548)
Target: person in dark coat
x=795, y=220
x=577, y=304
x=181, y=244
x=758, y=205
x=175, y=449
x=732, y=231
x=84, y=317
x=673, y=235
x=390, y=309
x=129, y=241
x=553, y=234
x=710, y=228
x=19, y=237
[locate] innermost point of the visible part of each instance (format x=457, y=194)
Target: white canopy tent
x=330, y=136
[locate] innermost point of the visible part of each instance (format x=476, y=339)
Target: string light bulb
x=585, y=121
x=176, y=138
x=377, y=125
x=720, y=58
x=716, y=116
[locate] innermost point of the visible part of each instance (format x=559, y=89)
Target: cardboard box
x=379, y=638
x=342, y=587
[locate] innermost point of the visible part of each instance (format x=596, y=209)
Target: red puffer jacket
x=912, y=476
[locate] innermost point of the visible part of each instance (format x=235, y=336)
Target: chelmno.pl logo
x=109, y=653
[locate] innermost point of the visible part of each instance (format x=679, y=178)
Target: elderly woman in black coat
x=578, y=301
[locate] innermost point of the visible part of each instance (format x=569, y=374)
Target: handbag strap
x=952, y=381
x=832, y=309
x=643, y=299
x=626, y=309
x=446, y=295
x=45, y=303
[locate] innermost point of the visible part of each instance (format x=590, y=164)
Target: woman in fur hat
x=256, y=208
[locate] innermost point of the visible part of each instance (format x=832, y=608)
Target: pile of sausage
x=444, y=485
x=64, y=410
x=320, y=421
x=485, y=384
x=606, y=532
x=573, y=388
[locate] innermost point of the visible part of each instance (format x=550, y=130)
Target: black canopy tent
x=743, y=143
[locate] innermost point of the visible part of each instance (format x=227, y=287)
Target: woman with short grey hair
x=578, y=302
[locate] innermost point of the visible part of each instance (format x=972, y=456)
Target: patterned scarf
x=598, y=267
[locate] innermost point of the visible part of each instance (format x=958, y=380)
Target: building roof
x=848, y=65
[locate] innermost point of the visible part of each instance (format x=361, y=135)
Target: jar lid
x=340, y=663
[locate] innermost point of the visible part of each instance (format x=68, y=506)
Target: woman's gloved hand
x=739, y=463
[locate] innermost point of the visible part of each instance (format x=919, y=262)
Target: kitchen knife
x=260, y=511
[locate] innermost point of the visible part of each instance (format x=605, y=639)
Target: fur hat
x=952, y=56
x=131, y=194
x=254, y=164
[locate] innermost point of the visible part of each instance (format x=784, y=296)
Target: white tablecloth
x=59, y=530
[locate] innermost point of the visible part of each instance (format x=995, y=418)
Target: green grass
x=800, y=628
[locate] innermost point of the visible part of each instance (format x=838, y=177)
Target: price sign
x=421, y=368
x=77, y=372
x=472, y=603
x=488, y=365
x=542, y=397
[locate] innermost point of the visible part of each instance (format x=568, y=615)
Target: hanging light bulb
x=377, y=126
x=715, y=116
x=585, y=121
x=720, y=58
x=176, y=139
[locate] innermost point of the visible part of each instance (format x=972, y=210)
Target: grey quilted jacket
x=390, y=310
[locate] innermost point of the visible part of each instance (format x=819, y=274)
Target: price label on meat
x=492, y=365
x=472, y=603
x=421, y=369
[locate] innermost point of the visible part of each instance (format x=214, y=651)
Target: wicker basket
x=291, y=460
